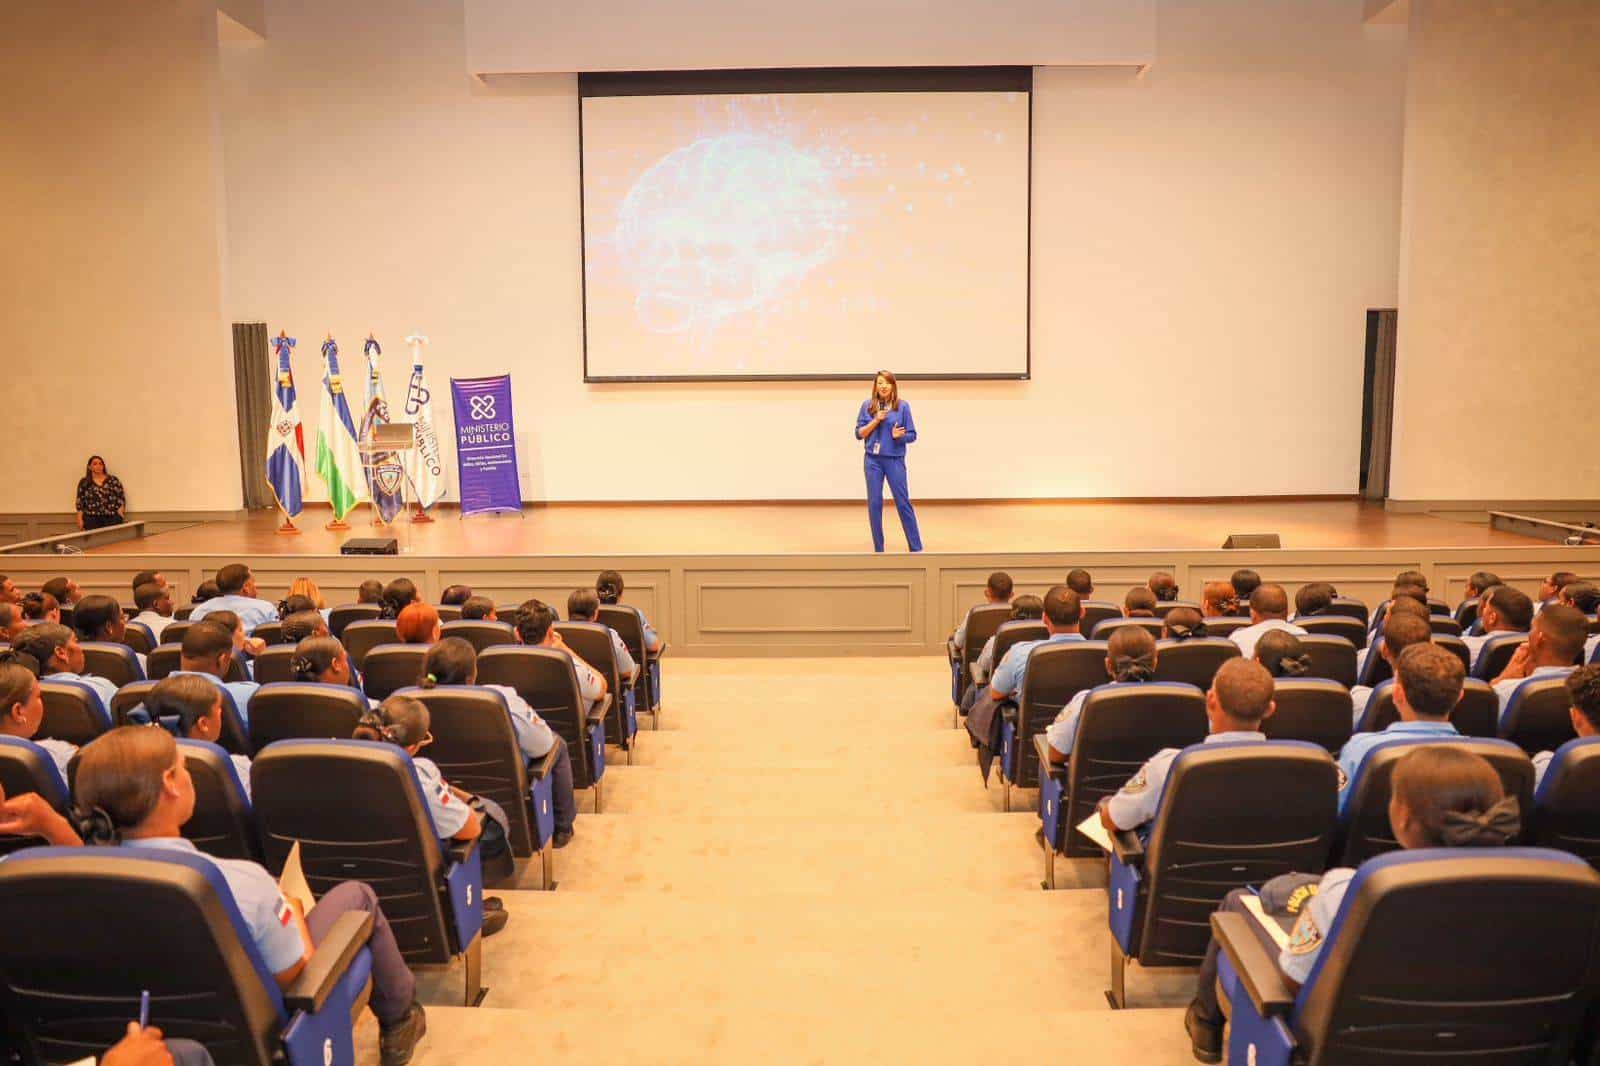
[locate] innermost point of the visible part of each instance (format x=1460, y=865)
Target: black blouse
x=107, y=499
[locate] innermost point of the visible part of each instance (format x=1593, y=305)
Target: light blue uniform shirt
x=1504, y=689
x=1062, y=733
x=251, y=612
x=241, y=691
x=450, y=812
x=1541, y=763
x=60, y=753
x=103, y=686
x=1360, y=696
x=1013, y=668
x=1311, y=929
x=1356, y=748
x=1137, y=802
x=265, y=912
x=534, y=737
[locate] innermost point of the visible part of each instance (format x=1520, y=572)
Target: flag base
x=419, y=516
x=337, y=524
x=288, y=528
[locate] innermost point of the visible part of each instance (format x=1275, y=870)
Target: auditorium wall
x=1207, y=237
x=1500, y=254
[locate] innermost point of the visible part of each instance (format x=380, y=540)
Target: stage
x=793, y=578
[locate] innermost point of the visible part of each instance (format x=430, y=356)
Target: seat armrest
x=460, y=850
x=658, y=653
x=329, y=962
x=543, y=766
x=1127, y=847
x=1042, y=747
x=1258, y=971
x=598, y=714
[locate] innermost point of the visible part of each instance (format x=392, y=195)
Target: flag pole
x=338, y=525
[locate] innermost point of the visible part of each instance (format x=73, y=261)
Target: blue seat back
x=73, y=712
x=1313, y=709
x=26, y=767
x=1538, y=715
x=475, y=748
x=1331, y=657
x=1566, y=807
x=223, y=823
x=1194, y=661
x=1496, y=653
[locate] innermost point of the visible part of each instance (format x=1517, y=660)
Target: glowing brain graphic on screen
x=721, y=226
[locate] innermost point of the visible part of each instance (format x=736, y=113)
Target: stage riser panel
x=780, y=605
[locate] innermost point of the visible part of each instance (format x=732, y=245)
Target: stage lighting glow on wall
x=805, y=224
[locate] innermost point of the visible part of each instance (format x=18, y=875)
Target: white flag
x=425, y=462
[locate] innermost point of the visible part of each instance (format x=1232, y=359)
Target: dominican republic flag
x=385, y=475
x=425, y=462
x=286, y=441
x=338, y=454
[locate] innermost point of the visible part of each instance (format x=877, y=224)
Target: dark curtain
x=1378, y=433
x=252, y=384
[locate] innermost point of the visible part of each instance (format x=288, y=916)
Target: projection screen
x=852, y=221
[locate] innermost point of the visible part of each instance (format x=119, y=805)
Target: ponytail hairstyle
x=399, y=720
x=452, y=661
x=187, y=697
x=1183, y=623
x=397, y=595
x=1455, y=797
x=1131, y=653
x=206, y=590
x=1220, y=594
x=39, y=606
x=1140, y=602
x=1027, y=606
x=294, y=603
x=1282, y=654
x=314, y=657
x=119, y=781
x=608, y=586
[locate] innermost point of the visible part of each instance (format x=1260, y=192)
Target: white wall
x=1500, y=290
x=112, y=332
x=1210, y=232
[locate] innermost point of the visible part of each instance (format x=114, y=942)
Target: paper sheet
x=1252, y=906
x=1091, y=828
x=293, y=882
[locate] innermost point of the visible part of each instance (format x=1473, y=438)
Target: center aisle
x=801, y=867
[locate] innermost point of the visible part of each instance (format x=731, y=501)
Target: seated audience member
x=418, y=623
x=370, y=591
x=1583, y=684
x=294, y=603
x=243, y=646
x=1401, y=590
x=1182, y=623
x=1478, y=583
x=9, y=593
x=323, y=660
x=453, y=661
x=100, y=618
x=1062, y=610
x=1401, y=630
x=1244, y=583
x=1552, y=649
x=303, y=624
x=996, y=590
x=457, y=815
x=397, y=596
x=41, y=607
x=155, y=608
x=149, y=577
x=1218, y=600
x=478, y=609
x=1269, y=609
x=1313, y=598
x=1586, y=598
x=64, y=589
x=1402, y=604
x=584, y=606
x=12, y=622
x=22, y=707
x=237, y=586
x=1140, y=602
x=1413, y=577
x=1130, y=660
x=1163, y=586
x=304, y=586
x=608, y=586
x=195, y=703
x=536, y=627
x=206, y=590
x=134, y=789
x=1427, y=686
x=1441, y=797
x=1550, y=589
x=208, y=650
x=1239, y=700
x=1282, y=654
x=1023, y=608
x=60, y=657
x=1502, y=609
x=455, y=595
x=1081, y=581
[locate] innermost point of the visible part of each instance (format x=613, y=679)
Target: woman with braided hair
x=1440, y=797
x=1130, y=660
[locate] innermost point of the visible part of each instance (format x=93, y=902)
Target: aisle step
x=788, y=792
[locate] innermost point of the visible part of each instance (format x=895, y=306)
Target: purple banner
x=486, y=445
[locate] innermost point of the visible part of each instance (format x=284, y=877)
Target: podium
x=398, y=438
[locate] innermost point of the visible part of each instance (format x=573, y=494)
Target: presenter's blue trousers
x=892, y=467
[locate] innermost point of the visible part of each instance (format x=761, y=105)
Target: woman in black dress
x=101, y=501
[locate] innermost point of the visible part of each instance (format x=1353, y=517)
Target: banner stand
x=486, y=451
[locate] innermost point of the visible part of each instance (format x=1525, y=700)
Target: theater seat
x=1055, y=674
x=449, y=612
x=223, y=823
x=1349, y=606
x=545, y=679
x=1566, y=807
x=345, y=613
x=127, y=708
x=105, y=924
x=1103, y=630
x=273, y=664
x=1313, y=709
x=26, y=767
x=72, y=712
x=1443, y=625
x=1477, y=715
x=390, y=667
x=1231, y=814
x=981, y=622
x=357, y=810
x=296, y=709
x=1338, y=625
x=361, y=637
x=269, y=633
x=1164, y=606
x=114, y=662
x=139, y=637
x=1496, y=654
x=1093, y=612
x=1396, y=981
x=480, y=634
x=1331, y=657
x=1538, y=715
x=629, y=624
x=1194, y=661
x=1221, y=627
x=174, y=632
x=591, y=642
x=1376, y=669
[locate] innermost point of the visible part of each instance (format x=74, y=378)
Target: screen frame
x=795, y=81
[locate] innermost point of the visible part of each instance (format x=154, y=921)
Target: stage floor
x=686, y=529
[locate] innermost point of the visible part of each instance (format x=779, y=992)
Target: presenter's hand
x=897, y=432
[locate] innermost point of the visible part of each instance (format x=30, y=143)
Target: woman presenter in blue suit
x=884, y=427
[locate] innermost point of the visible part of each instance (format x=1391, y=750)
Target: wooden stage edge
x=787, y=579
